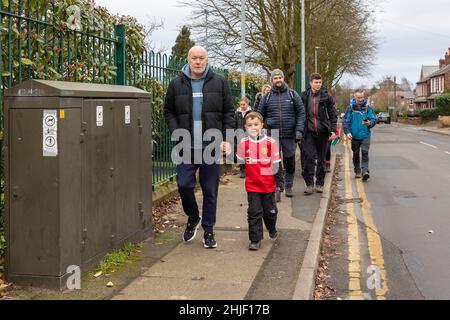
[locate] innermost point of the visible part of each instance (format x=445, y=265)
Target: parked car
x=384, y=117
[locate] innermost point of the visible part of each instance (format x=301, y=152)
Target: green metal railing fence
x=36, y=45
x=153, y=72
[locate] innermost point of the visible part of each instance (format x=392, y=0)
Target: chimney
x=441, y=63
x=447, y=57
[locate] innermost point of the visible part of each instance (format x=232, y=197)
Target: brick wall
x=447, y=82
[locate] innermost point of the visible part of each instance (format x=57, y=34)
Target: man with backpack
x=283, y=110
x=320, y=125
x=358, y=120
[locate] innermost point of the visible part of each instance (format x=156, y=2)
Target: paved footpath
x=231, y=271
x=427, y=128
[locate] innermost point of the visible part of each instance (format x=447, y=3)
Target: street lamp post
x=243, y=48
x=315, y=58
x=302, y=3
x=395, y=99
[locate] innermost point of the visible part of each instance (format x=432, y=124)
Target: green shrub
x=443, y=105
x=2, y=230
x=428, y=114
x=442, y=109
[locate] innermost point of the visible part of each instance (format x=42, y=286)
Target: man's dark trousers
x=261, y=207
x=364, y=146
x=288, y=148
x=209, y=181
x=315, y=144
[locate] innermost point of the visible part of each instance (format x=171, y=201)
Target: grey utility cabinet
x=78, y=176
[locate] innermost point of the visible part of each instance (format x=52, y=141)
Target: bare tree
x=152, y=26
x=341, y=28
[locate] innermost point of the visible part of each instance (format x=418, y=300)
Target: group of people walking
x=281, y=119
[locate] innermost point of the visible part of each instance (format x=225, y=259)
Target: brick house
x=423, y=87
x=434, y=81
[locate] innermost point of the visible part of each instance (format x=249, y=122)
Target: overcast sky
x=411, y=32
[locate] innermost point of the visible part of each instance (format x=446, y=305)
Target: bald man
x=198, y=100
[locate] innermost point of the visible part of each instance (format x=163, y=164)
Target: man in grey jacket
x=283, y=110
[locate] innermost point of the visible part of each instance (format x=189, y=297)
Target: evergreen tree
x=183, y=43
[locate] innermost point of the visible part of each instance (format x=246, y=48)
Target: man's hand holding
x=298, y=137
x=226, y=148
x=332, y=136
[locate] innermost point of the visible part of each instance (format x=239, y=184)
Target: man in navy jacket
x=282, y=109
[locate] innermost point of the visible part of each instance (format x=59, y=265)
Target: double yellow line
x=374, y=240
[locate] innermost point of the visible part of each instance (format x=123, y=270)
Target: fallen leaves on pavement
x=162, y=217
x=323, y=289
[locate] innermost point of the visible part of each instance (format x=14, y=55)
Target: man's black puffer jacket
x=217, y=109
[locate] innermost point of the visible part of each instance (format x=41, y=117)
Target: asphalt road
x=410, y=197
x=402, y=224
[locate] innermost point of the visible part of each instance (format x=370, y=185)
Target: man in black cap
x=283, y=110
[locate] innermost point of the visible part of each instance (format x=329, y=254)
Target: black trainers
x=327, y=167
x=191, y=231
x=309, y=190
x=288, y=192
x=273, y=235
x=365, y=176
x=253, y=246
x=319, y=189
x=242, y=175
x=358, y=175
x=208, y=240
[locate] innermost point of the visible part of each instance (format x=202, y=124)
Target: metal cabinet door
x=126, y=176
x=34, y=208
x=98, y=176
x=145, y=122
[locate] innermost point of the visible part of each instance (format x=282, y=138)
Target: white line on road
x=429, y=145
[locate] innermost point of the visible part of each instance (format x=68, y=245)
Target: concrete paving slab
x=193, y=272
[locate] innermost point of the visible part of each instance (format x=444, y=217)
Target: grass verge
x=116, y=260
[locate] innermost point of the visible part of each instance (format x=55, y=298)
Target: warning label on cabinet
x=50, y=133
x=127, y=115
x=99, y=116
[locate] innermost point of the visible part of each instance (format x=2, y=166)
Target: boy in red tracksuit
x=262, y=157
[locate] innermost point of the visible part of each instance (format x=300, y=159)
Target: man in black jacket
x=199, y=100
x=320, y=125
x=283, y=110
